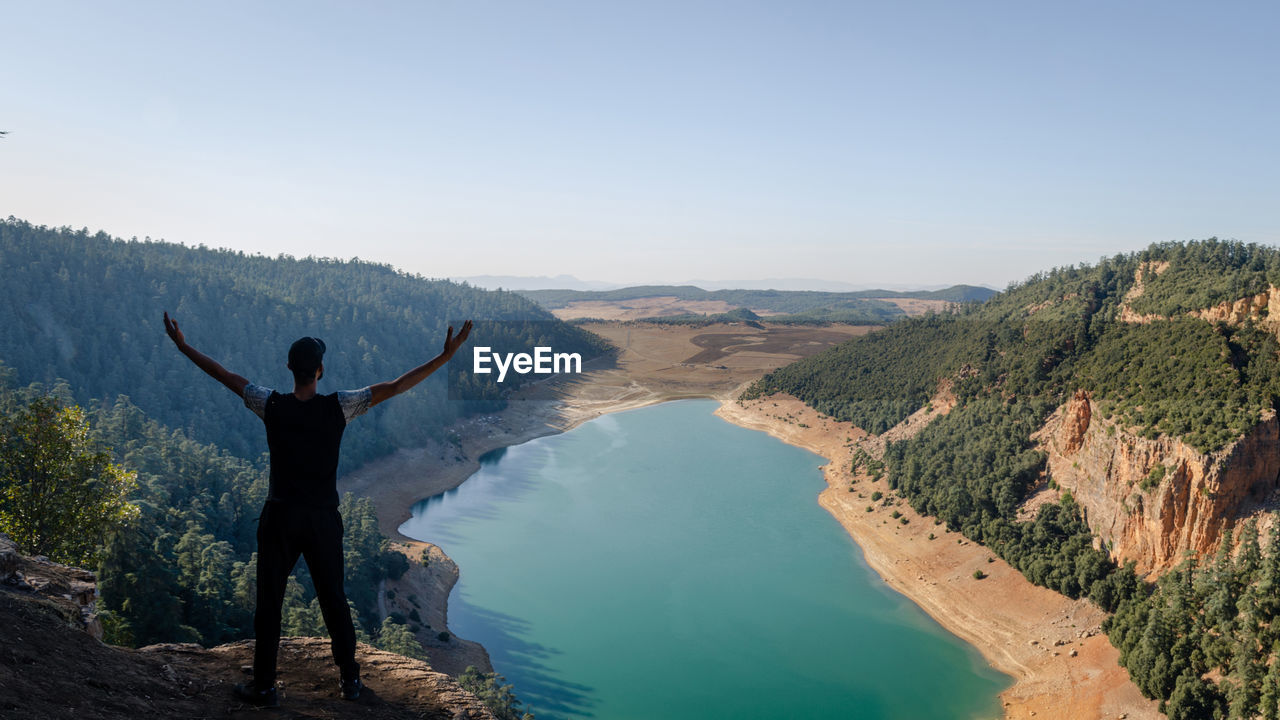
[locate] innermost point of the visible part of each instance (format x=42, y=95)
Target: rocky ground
x=53, y=666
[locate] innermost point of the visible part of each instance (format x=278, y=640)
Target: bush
x=394, y=564
x=495, y=695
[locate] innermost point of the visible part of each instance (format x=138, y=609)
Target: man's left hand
x=452, y=342
x=175, y=334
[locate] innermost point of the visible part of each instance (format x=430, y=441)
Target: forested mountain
x=782, y=301
x=87, y=308
x=1172, y=342
x=1061, y=331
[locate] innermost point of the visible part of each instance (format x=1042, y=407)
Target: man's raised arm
x=385, y=390
x=234, y=382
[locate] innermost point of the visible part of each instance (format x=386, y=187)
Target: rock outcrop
x=71, y=590
x=1254, y=307
x=53, y=665
x=1127, y=313
x=1154, y=500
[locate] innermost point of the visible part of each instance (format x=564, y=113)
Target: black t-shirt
x=304, y=437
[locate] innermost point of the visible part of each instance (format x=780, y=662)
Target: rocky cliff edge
x=53, y=664
x=1155, y=500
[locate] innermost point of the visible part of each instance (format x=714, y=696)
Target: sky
x=886, y=143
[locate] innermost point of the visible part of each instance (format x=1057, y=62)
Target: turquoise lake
x=665, y=564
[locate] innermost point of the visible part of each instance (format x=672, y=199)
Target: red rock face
x=1257, y=307
x=1157, y=522
x=1076, y=422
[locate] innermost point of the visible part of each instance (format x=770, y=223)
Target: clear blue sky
x=878, y=143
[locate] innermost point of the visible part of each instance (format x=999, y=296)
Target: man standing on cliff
x=301, y=517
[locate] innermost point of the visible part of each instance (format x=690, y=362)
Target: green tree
x=496, y=695
x=1248, y=671
x=1269, y=700
x=1194, y=698
x=60, y=494
x=398, y=638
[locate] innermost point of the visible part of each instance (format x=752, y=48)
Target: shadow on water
x=436, y=519
x=492, y=457
x=537, y=686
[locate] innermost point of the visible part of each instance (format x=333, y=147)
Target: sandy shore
x=1063, y=667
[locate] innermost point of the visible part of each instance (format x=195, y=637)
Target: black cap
x=306, y=354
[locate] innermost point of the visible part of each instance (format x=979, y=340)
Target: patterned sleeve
x=255, y=398
x=354, y=402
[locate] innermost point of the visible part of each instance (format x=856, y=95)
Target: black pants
x=286, y=531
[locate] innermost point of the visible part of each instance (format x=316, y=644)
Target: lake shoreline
x=1062, y=665
x=1018, y=638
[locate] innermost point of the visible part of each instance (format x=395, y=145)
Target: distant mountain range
x=569, y=282
x=533, y=282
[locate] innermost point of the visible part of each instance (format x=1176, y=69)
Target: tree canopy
x=60, y=494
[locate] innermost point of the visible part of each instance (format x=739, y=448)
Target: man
x=301, y=517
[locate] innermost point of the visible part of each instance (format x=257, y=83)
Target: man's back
x=304, y=437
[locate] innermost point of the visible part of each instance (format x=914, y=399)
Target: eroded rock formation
x=1154, y=500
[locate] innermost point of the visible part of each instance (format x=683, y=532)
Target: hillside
x=86, y=308
x=1123, y=412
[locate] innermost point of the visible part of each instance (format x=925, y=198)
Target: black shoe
x=351, y=685
x=250, y=693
